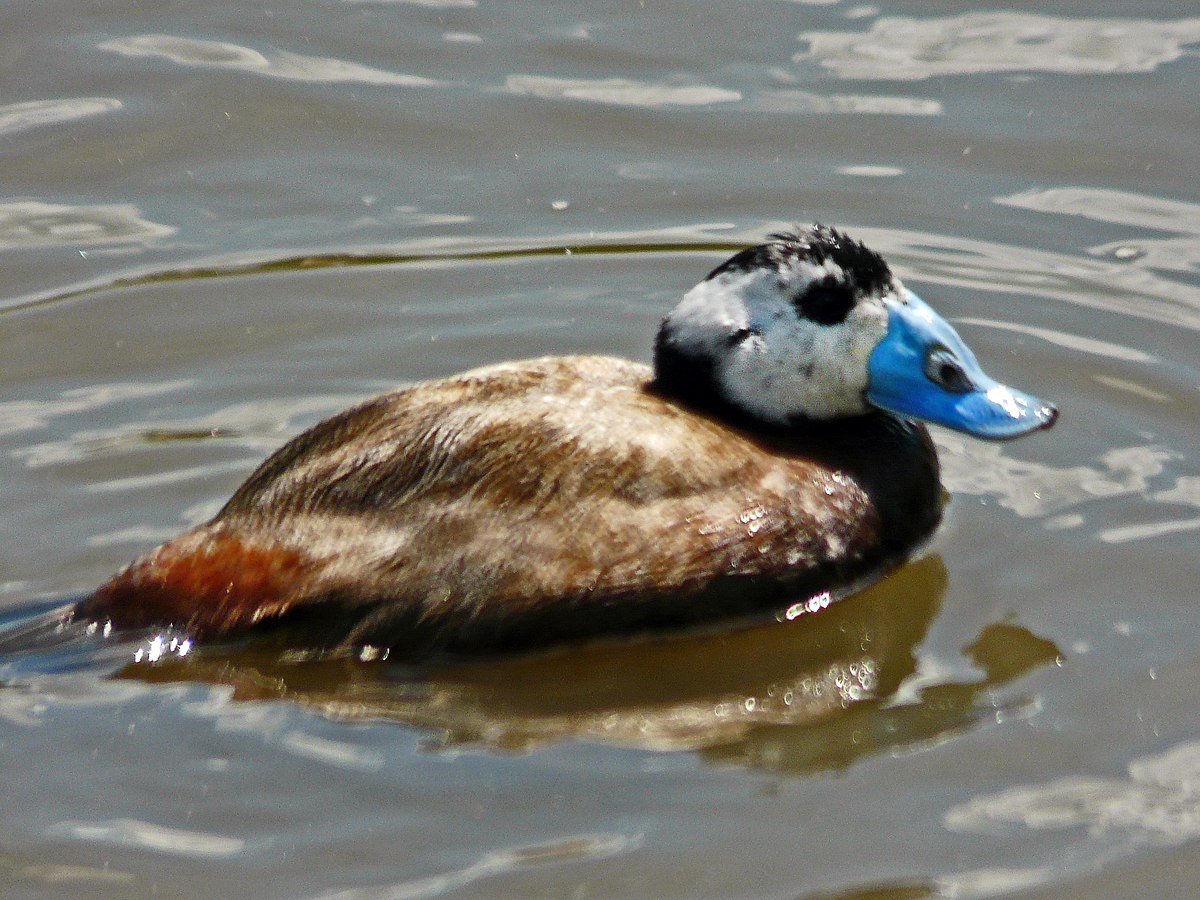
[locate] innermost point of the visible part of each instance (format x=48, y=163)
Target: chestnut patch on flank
x=204, y=582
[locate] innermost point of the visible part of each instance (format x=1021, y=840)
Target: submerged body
x=531, y=502
x=528, y=503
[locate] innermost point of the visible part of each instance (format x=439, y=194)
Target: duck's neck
x=689, y=377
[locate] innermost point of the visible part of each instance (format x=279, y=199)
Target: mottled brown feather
x=533, y=502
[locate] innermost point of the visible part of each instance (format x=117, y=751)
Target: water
x=218, y=225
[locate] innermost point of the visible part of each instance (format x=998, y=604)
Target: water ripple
x=141, y=835
x=279, y=64
x=789, y=100
x=429, y=4
x=1158, y=801
x=27, y=415
x=618, y=91
x=1104, y=284
x=871, y=171
x=911, y=49
x=339, y=754
x=1064, y=339
x=1148, y=531
x=16, y=117
x=1117, y=207
x=565, y=849
x=252, y=426
x=31, y=223
x=1112, y=285
x=1179, y=253
x=1034, y=490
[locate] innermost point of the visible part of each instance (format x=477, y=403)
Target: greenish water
x=219, y=224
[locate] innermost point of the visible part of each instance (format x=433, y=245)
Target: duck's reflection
x=808, y=694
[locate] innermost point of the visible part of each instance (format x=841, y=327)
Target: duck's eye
x=944, y=369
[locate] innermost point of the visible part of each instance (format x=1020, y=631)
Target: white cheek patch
x=780, y=366
x=794, y=367
x=713, y=309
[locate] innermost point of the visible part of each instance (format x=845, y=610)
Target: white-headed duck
x=770, y=455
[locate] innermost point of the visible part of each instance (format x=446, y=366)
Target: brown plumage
x=533, y=502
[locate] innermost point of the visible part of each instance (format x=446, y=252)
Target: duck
x=774, y=457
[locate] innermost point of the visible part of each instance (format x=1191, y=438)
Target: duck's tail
x=207, y=582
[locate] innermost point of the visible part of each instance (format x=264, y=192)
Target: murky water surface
x=219, y=224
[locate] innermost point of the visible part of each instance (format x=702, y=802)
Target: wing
x=566, y=489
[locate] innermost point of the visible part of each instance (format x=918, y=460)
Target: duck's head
x=814, y=325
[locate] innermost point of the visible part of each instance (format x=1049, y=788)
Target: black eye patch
x=826, y=302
